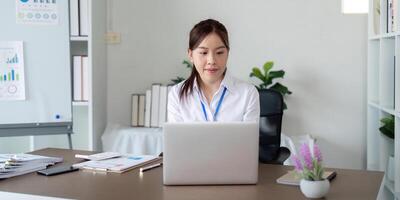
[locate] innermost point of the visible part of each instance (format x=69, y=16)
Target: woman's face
x=210, y=58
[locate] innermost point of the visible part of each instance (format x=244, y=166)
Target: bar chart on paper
x=12, y=84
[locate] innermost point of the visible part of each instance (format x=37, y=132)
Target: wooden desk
x=349, y=184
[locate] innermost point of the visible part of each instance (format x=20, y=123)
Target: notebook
x=291, y=178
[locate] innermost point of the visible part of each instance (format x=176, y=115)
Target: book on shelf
x=74, y=17
x=77, y=78
x=155, y=103
x=162, y=114
x=142, y=102
x=152, y=107
x=147, y=111
x=85, y=78
x=135, y=110
x=79, y=17
x=83, y=17
x=376, y=16
x=80, y=80
x=138, y=109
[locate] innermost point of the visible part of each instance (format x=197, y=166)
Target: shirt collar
x=226, y=82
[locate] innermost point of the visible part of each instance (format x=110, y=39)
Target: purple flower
x=297, y=163
x=305, y=152
x=317, y=153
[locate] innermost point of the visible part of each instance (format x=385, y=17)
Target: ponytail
x=187, y=87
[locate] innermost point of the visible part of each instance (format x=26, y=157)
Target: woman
x=210, y=93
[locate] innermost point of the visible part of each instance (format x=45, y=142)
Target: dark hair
x=197, y=34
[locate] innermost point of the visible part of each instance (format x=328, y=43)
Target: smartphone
x=57, y=170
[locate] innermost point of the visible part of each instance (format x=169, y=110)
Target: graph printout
x=12, y=78
x=43, y=12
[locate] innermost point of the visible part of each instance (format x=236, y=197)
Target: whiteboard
x=47, y=72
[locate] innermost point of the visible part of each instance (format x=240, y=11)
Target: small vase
x=314, y=189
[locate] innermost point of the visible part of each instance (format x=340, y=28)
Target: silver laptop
x=208, y=153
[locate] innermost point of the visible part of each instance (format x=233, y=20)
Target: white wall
x=322, y=51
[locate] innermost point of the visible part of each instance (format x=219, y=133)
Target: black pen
x=150, y=167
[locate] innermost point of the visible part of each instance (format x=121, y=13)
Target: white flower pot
x=314, y=189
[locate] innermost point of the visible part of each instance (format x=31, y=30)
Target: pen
x=150, y=167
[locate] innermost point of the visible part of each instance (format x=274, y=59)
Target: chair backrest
x=271, y=111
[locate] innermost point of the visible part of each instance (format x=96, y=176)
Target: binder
x=155, y=105
x=84, y=17
x=147, y=111
x=135, y=110
x=162, y=117
x=74, y=17
x=142, y=102
x=85, y=78
x=77, y=78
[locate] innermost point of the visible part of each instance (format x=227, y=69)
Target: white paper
x=22, y=157
x=43, y=12
x=12, y=77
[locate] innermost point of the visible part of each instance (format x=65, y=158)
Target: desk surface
x=349, y=184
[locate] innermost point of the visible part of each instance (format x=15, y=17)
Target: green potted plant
x=266, y=76
x=308, y=165
x=387, y=127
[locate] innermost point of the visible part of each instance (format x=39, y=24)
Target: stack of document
x=17, y=164
x=119, y=165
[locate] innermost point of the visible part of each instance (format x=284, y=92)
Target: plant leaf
x=388, y=126
x=387, y=120
x=276, y=74
x=386, y=132
x=268, y=66
x=257, y=73
x=280, y=88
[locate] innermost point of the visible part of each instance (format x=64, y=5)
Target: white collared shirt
x=240, y=103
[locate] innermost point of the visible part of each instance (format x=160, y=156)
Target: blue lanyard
x=218, y=106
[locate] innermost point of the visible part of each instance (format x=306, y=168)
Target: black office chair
x=271, y=111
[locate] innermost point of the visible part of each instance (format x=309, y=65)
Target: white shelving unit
x=89, y=118
x=383, y=96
